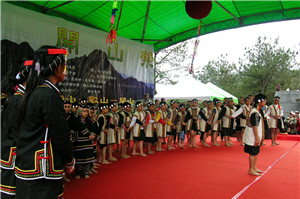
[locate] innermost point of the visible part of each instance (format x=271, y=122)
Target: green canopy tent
x=165, y=23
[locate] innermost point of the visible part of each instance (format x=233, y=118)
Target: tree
x=171, y=63
x=221, y=73
x=265, y=65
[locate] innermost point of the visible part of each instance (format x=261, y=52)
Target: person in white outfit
x=275, y=112
x=253, y=133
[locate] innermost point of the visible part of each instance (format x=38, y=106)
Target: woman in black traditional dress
x=9, y=131
x=44, y=145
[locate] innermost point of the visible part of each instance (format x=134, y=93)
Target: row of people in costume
x=214, y=118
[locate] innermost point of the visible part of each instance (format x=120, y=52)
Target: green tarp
x=167, y=22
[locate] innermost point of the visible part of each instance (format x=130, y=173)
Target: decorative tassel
x=111, y=37
x=195, y=48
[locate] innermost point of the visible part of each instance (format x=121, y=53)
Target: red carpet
x=215, y=172
x=289, y=137
x=281, y=181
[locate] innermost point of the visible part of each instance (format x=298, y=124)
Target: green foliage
x=221, y=73
x=264, y=66
x=170, y=63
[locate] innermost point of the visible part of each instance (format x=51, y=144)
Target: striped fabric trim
x=81, y=149
x=10, y=190
x=47, y=82
x=21, y=89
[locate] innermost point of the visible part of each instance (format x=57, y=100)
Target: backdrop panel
x=122, y=71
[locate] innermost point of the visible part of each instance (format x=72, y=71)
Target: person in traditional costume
x=205, y=123
x=83, y=100
x=74, y=126
x=253, y=133
x=157, y=102
x=125, y=119
x=298, y=122
x=67, y=107
x=251, y=97
x=103, y=125
x=162, y=120
x=43, y=145
x=164, y=100
x=171, y=129
x=146, y=101
x=275, y=112
x=138, y=125
x=120, y=109
x=92, y=117
x=225, y=102
x=112, y=135
x=241, y=114
x=74, y=108
x=204, y=105
x=177, y=134
x=216, y=123
x=180, y=127
x=193, y=124
x=83, y=145
x=9, y=129
x=228, y=121
x=150, y=127
x=189, y=104
x=266, y=132
x=238, y=127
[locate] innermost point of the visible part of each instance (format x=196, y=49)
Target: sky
x=233, y=42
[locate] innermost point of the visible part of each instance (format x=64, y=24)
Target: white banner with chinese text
x=103, y=72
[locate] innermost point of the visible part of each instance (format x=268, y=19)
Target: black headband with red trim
x=39, y=60
x=23, y=74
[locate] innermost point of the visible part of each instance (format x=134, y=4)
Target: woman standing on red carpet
x=193, y=124
x=137, y=125
x=113, y=128
x=161, y=120
x=215, y=129
x=253, y=133
x=205, y=123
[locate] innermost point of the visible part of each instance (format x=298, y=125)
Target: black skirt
x=40, y=188
x=194, y=126
x=238, y=128
x=8, y=178
x=208, y=128
x=173, y=132
x=152, y=139
x=127, y=136
x=279, y=124
x=102, y=146
x=141, y=137
x=252, y=150
x=227, y=131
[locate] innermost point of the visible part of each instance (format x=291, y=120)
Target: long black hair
x=19, y=77
x=43, y=66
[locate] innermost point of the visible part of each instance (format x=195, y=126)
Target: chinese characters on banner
x=68, y=43
x=93, y=80
x=122, y=71
x=147, y=58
